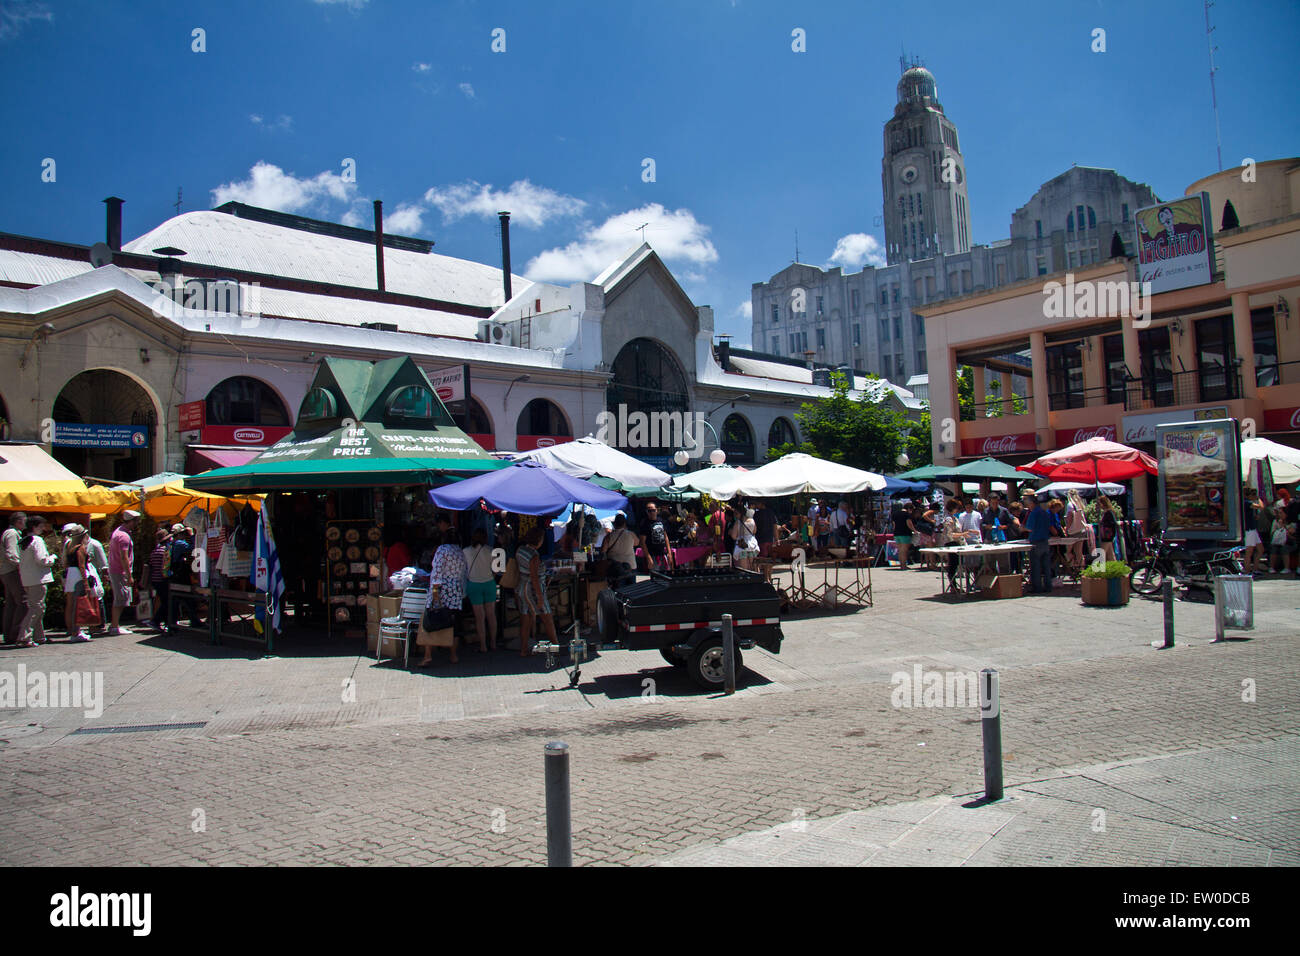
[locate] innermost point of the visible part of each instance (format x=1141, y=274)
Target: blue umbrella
x=525, y=488
x=896, y=484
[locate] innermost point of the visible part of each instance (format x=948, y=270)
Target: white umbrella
x=797, y=474
x=1282, y=459
x=590, y=456
x=1110, y=489
x=706, y=479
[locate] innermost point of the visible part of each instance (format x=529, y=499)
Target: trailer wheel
x=607, y=616
x=666, y=652
x=706, y=663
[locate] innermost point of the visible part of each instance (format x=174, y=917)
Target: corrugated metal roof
x=220, y=239
x=32, y=269
x=777, y=370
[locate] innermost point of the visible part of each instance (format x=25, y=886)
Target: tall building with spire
x=923, y=175
x=868, y=320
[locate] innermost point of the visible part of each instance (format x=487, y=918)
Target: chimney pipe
x=114, y=231
x=505, y=253
x=379, y=241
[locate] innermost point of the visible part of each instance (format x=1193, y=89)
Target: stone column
x=1245, y=341
x=1038, y=353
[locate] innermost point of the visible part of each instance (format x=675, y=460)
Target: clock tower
x=923, y=175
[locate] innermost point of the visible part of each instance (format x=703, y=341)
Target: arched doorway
x=105, y=426
x=781, y=433
x=738, y=440
x=540, y=425
x=647, y=380
x=4, y=419
x=477, y=424
x=245, y=401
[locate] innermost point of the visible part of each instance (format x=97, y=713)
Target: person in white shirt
x=813, y=511
x=968, y=524
x=36, y=568
x=840, y=527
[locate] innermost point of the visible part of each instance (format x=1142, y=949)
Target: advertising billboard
x=1200, y=480
x=1174, y=244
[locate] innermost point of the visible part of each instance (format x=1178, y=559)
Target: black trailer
x=679, y=613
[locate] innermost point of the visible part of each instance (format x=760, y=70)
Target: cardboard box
x=372, y=608
x=1005, y=586
x=372, y=637
x=390, y=604
x=593, y=595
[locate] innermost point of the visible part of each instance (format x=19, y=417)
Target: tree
x=992, y=406
x=1117, y=246
x=860, y=433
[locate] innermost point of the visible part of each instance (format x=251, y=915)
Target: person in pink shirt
x=121, y=562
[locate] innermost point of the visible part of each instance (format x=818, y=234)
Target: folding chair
x=408, y=619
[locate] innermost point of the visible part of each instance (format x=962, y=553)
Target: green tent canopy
x=982, y=469
x=362, y=424
x=924, y=473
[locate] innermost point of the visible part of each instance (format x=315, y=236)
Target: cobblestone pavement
x=281, y=770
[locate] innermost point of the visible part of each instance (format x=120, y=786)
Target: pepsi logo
x=253, y=436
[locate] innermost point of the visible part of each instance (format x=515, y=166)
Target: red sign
x=1065, y=437
x=999, y=444
x=1282, y=419
x=486, y=442
x=531, y=442
x=243, y=434
x=190, y=415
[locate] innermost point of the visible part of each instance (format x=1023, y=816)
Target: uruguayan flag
x=268, y=576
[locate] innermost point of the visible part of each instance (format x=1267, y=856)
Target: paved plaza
x=215, y=755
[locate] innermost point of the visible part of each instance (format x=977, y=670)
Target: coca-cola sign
x=999, y=444
x=1282, y=419
x=1065, y=437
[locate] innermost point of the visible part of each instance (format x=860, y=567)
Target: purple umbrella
x=525, y=488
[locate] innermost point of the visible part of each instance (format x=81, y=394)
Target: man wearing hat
x=180, y=571
x=121, y=565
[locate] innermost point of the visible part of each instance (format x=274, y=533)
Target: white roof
x=223, y=239
x=29, y=268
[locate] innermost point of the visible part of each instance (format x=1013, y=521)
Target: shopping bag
x=144, y=609
x=87, y=611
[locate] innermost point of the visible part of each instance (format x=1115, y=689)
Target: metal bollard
x=1167, y=596
x=559, y=832
x=728, y=656
x=991, y=727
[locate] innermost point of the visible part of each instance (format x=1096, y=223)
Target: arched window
x=542, y=417
x=647, y=379
x=245, y=401
x=737, y=439
x=781, y=433
x=318, y=404
x=477, y=421
x=1092, y=218
x=414, y=402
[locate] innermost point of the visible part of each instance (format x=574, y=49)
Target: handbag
x=1279, y=536
x=87, y=611
x=144, y=609
x=438, y=618
x=510, y=578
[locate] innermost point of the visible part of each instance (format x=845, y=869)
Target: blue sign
x=662, y=462
x=100, y=436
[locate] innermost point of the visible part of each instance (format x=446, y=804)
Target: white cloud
x=281, y=123
x=745, y=310
x=16, y=14
x=856, y=250
x=675, y=235
x=422, y=67
x=467, y=89
x=406, y=219
x=350, y=4
x=528, y=205
x=271, y=187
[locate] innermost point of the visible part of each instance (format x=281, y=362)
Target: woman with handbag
x=531, y=593
x=78, y=588
x=746, y=537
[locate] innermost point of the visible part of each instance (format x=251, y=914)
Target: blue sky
x=750, y=140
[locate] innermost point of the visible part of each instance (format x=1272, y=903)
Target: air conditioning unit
x=497, y=333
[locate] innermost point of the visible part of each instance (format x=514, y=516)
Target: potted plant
x=1105, y=584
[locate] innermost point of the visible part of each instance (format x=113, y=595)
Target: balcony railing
x=1080, y=398
x=1277, y=373
x=1210, y=383
x=999, y=407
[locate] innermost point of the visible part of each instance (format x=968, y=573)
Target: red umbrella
x=1094, y=460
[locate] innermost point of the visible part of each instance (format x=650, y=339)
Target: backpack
x=245, y=536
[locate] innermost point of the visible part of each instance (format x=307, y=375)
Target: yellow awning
x=62, y=497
